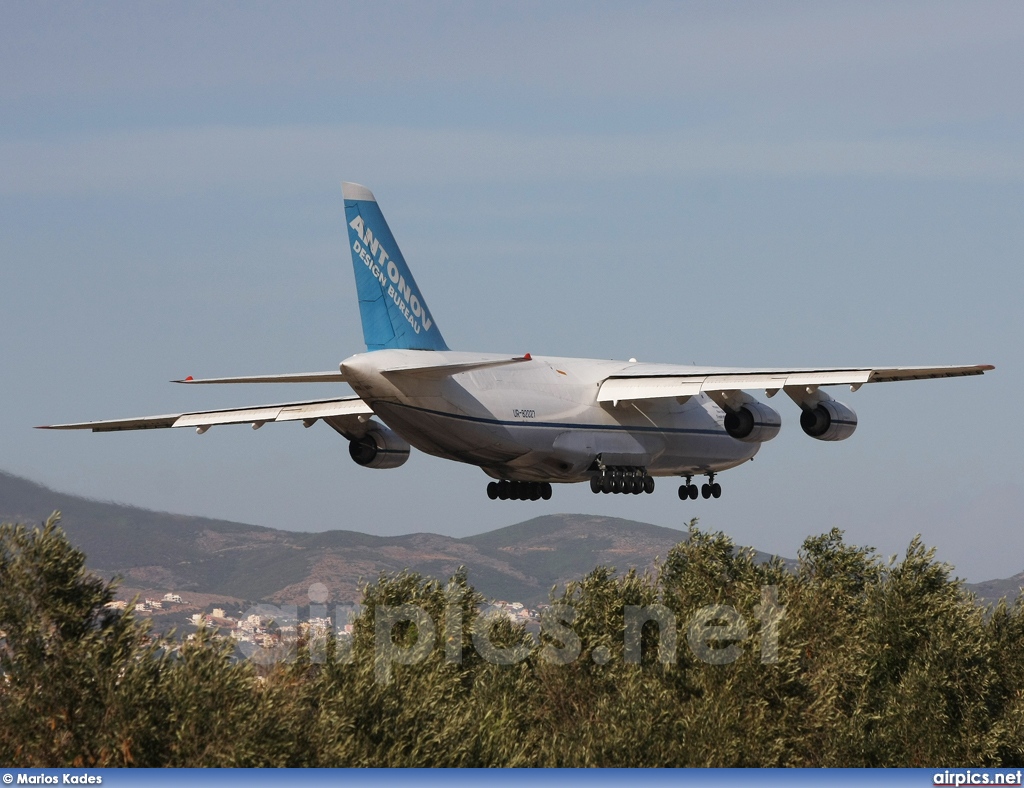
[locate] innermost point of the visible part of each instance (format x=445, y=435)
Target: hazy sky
x=735, y=184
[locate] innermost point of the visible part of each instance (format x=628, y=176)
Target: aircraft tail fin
x=391, y=305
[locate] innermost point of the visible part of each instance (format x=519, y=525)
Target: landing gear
x=688, y=491
x=506, y=490
x=710, y=489
x=622, y=479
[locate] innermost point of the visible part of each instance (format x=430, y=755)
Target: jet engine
x=828, y=420
x=752, y=422
x=379, y=447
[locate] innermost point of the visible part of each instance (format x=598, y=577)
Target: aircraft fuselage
x=540, y=420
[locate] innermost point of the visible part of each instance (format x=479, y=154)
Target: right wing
x=626, y=386
x=347, y=415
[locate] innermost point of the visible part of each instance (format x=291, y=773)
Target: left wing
x=347, y=415
x=681, y=382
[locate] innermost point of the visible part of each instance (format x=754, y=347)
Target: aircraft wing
x=342, y=414
x=625, y=386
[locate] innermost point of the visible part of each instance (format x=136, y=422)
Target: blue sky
x=736, y=184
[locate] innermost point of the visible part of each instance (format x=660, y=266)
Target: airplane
x=527, y=421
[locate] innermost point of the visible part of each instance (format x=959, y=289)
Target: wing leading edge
x=343, y=414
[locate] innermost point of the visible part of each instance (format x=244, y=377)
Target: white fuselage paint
x=539, y=420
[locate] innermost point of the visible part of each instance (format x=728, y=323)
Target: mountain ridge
x=173, y=552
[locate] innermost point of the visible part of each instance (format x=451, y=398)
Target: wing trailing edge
x=625, y=387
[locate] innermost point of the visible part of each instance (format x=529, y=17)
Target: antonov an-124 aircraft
x=530, y=422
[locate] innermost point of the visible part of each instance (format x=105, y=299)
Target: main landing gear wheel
x=622, y=479
x=688, y=491
x=506, y=490
x=710, y=489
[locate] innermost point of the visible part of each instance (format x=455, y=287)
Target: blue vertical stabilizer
x=391, y=305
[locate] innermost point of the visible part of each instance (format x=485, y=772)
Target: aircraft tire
x=545, y=491
x=693, y=492
x=705, y=490
x=492, y=491
x=595, y=484
x=648, y=484
x=716, y=490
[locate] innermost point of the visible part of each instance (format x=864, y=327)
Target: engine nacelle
x=828, y=420
x=380, y=447
x=753, y=422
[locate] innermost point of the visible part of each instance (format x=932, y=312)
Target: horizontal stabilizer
x=443, y=369
x=294, y=377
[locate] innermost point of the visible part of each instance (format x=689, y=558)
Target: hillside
x=161, y=551
x=156, y=550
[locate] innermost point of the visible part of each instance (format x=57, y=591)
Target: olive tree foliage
x=714, y=659
x=84, y=685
